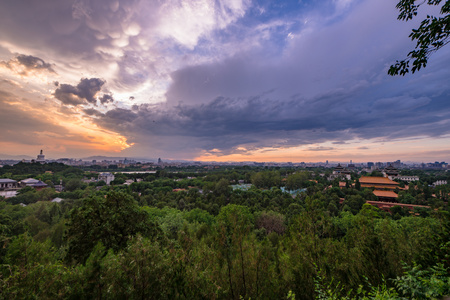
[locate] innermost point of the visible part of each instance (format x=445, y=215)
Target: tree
x=141, y=271
x=358, y=185
x=235, y=222
x=222, y=187
x=432, y=34
x=271, y=222
x=266, y=179
x=111, y=220
x=297, y=180
x=73, y=184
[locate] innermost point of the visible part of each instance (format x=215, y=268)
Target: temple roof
x=376, y=180
x=5, y=180
x=29, y=181
x=385, y=194
x=38, y=184
x=390, y=167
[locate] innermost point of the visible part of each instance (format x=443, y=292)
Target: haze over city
x=234, y=80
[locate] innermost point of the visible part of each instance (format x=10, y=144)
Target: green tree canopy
x=112, y=220
x=297, y=180
x=432, y=34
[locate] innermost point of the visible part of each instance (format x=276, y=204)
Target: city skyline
x=92, y=160
x=234, y=80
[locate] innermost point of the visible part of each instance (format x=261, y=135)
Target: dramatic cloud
x=258, y=122
x=92, y=112
x=106, y=98
x=86, y=90
x=27, y=64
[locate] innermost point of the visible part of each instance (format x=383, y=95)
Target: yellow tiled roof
x=376, y=180
x=387, y=194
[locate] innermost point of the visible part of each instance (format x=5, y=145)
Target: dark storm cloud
x=121, y=115
x=86, y=90
x=330, y=85
x=32, y=62
x=67, y=94
x=263, y=121
x=92, y=112
x=29, y=63
x=353, y=51
x=106, y=98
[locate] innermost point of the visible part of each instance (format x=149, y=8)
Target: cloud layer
x=185, y=78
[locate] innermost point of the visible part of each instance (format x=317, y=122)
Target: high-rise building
x=397, y=164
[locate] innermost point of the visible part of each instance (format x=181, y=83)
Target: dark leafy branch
x=432, y=34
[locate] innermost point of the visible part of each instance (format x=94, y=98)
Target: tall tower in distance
x=41, y=158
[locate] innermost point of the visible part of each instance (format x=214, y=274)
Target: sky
x=223, y=80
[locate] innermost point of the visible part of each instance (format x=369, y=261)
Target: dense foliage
x=190, y=235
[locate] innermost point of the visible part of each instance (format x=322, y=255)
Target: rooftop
x=29, y=181
x=6, y=180
x=38, y=184
x=385, y=194
x=376, y=180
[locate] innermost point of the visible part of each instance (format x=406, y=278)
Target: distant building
x=106, y=177
x=59, y=187
x=436, y=165
x=383, y=187
x=379, y=165
x=28, y=182
x=379, y=183
x=340, y=172
x=34, y=183
x=390, y=172
x=397, y=164
x=440, y=182
x=40, y=158
x=408, y=178
x=8, y=187
x=129, y=181
x=389, y=196
x=386, y=206
x=6, y=184
x=370, y=165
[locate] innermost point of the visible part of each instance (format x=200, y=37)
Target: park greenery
x=192, y=233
